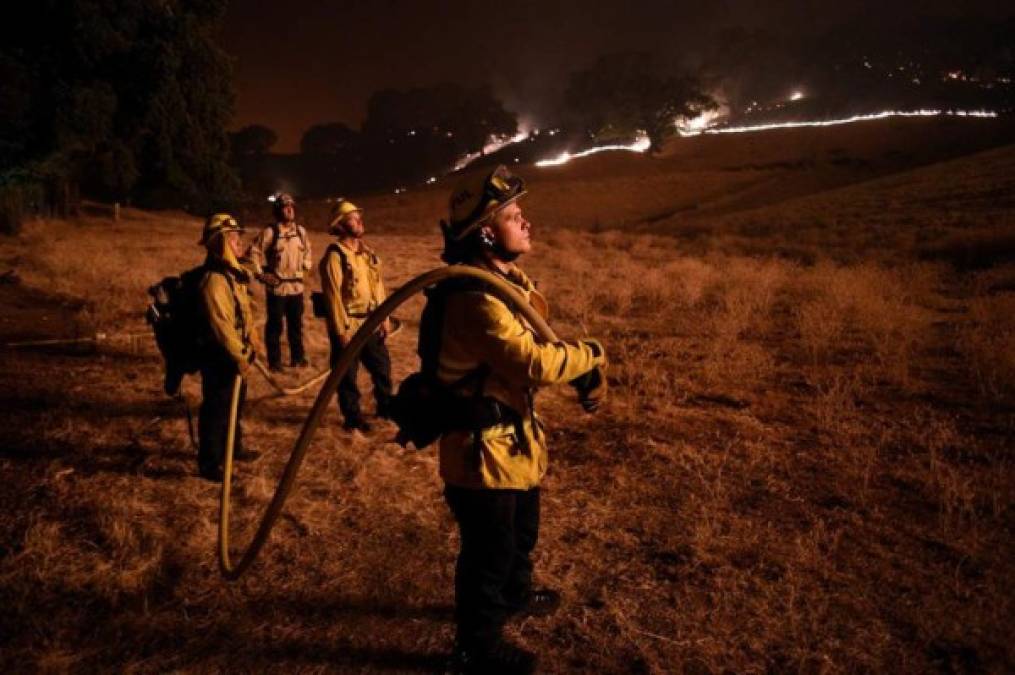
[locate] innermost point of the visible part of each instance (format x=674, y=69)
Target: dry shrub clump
x=92, y=259
x=985, y=342
x=740, y=303
x=865, y=313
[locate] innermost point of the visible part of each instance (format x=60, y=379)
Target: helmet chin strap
x=504, y=254
x=496, y=249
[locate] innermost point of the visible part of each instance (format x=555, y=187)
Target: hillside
x=804, y=465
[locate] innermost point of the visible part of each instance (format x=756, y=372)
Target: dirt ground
x=805, y=463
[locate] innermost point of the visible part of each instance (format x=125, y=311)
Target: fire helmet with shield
x=477, y=198
x=217, y=224
x=342, y=209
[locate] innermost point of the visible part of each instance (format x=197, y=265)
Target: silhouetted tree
x=130, y=98
x=455, y=118
x=327, y=139
x=623, y=93
x=252, y=140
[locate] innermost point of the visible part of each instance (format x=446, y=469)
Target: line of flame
x=492, y=145
x=640, y=145
x=847, y=120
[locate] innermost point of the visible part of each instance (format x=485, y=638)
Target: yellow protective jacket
x=225, y=298
x=480, y=328
x=352, y=286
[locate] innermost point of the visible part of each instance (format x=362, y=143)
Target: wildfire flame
x=640, y=145
x=695, y=125
x=847, y=120
x=493, y=144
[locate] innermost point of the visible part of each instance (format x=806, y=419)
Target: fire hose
x=282, y=390
x=231, y=570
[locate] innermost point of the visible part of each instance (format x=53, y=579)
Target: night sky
x=303, y=62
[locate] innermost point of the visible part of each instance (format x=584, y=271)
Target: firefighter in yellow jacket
x=353, y=287
x=492, y=464
x=225, y=301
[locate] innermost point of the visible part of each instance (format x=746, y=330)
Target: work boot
x=299, y=363
x=499, y=658
x=275, y=367
x=353, y=423
x=211, y=473
x=541, y=602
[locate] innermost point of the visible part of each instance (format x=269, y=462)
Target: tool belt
x=424, y=409
x=482, y=413
x=478, y=413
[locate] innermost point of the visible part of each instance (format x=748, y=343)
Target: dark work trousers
x=493, y=577
x=290, y=307
x=213, y=420
x=374, y=356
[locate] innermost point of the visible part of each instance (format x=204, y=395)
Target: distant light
x=399, y=190
x=431, y=180
x=796, y=96
x=516, y=160
x=271, y=198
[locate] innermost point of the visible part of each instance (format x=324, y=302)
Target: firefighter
x=352, y=286
x=492, y=472
x=280, y=256
x=224, y=294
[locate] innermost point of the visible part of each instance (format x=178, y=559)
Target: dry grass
x=805, y=464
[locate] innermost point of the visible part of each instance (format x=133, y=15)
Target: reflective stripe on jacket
x=353, y=290
x=479, y=328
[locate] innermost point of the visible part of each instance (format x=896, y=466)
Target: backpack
x=424, y=408
x=181, y=328
x=317, y=301
x=269, y=253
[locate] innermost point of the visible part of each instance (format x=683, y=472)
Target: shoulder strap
x=344, y=260
x=431, y=326
x=269, y=253
x=335, y=248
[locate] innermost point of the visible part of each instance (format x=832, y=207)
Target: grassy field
x=805, y=464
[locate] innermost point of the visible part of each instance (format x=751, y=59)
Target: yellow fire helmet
x=217, y=224
x=477, y=198
x=342, y=208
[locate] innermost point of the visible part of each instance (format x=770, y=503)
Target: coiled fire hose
x=505, y=290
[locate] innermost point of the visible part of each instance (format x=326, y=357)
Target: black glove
x=591, y=388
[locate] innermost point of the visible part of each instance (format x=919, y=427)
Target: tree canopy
x=621, y=94
x=327, y=139
x=461, y=118
x=130, y=98
x=252, y=140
